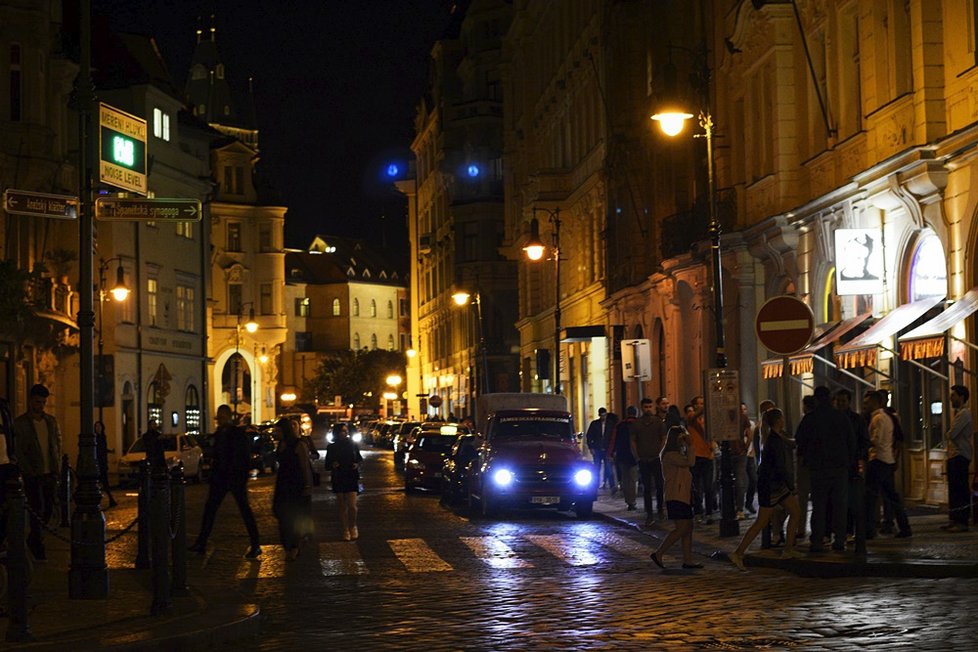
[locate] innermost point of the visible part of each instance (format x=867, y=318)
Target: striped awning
x=929, y=339
x=803, y=362
x=862, y=350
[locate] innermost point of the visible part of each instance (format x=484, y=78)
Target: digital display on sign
x=122, y=149
x=858, y=261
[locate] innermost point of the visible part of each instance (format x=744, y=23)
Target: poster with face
x=858, y=261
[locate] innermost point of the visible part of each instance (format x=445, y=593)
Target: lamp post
x=120, y=293
x=463, y=298
x=671, y=120
x=394, y=381
x=252, y=327
x=534, y=249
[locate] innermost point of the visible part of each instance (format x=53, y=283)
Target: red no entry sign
x=785, y=325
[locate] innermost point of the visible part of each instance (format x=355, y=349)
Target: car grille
x=542, y=476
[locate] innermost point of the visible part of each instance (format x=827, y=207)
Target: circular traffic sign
x=785, y=325
x=434, y=400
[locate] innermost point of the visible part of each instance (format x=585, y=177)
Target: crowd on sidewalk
x=831, y=478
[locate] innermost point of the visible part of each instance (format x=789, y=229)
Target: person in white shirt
x=881, y=471
x=959, y=454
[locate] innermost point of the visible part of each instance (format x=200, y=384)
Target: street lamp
x=672, y=119
x=463, y=298
x=119, y=293
x=251, y=326
x=394, y=381
x=535, y=249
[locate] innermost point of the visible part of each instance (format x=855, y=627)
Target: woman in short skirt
x=775, y=486
x=678, y=458
x=343, y=460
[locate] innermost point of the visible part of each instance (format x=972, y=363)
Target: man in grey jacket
x=37, y=440
x=959, y=454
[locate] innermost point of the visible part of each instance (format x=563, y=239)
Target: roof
x=335, y=259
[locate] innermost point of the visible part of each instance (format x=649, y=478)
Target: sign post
x=785, y=325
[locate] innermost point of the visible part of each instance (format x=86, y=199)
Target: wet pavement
x=424, y=577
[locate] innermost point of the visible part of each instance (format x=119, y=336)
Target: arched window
x=356, y=341
x=373, y=341
x=390, y=309
x=356, y=307
x=390, y=342
x=373, y=307
x=191, y=410
x=336, y=307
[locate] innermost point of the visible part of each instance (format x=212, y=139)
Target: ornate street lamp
x=119, y=292
x=251, y=326
x=463, y=298
x=535, y=249
x=671, y=118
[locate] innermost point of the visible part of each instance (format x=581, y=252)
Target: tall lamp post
x=120, y=293
x=394, y=382
x=672, y=119
x=463, y=298
x=252, y=327
x=535, y=249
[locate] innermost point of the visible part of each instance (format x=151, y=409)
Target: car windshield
x=435, y=443
x=524, y=427
x=169, y=444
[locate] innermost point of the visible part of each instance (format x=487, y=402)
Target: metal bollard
x=18, y=565
x=142, y=539
x=64, y=492
x=159, y=526
x=178, y=506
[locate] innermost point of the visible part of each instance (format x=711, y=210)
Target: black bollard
x=178, y=506
x=159, y=527
x=64, y=492
x=142, y=528
x=18, y=564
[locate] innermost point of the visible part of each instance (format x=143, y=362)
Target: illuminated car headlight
x=357, y=437
x=503, y=477
x=583, y=478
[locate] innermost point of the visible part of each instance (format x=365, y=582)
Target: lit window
x=185, y=230
x=390, y=310
x=185, y=308
x=356, y=308
x=373, y=308
x=390, y=342
x=302, y=306
x=152, y=289
x=336, y=308
x=373, y=342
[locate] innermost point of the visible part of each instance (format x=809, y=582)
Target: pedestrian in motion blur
x=102, y=451
x=230, y=472
x=959, y=454
x=678, y=457
x=37, y=441
x=597, y=436
x=293, y=487
x=775, y=486
x=343, y=459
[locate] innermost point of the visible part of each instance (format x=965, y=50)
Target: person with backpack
x=881, y=470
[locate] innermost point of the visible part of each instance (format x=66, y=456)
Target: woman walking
x=343, y=460
x=678, y=458
x=102, y=456
x=293, y=487
x=775, y=486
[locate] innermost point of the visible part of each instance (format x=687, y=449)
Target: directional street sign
x=785, y=325
x=37, y=204
x=147, y=210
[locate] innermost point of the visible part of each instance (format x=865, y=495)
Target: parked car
x=176, y=448
x=305, y=421
x=262, y=446
x=424, y=459
x=400, y=440
x=455, y=471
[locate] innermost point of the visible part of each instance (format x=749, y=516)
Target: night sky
x=337, y=83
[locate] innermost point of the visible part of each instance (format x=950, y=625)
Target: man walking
x=230, y=472
x=648, y=436
x=596, y=441
x=882, y=468
x=37, y=440
x=827, y=443
x=621, y=449
x=959, y=454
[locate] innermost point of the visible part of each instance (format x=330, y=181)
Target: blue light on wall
x=473, y=170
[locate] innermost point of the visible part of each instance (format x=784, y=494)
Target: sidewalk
x=931, y=552
x=123, y=622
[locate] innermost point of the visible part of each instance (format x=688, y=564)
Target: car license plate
x=545, y=500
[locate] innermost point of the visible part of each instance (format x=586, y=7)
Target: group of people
x=292, y=499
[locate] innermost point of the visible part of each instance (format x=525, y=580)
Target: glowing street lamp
x=535, y=249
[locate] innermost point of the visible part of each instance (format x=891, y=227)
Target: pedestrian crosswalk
x=588, y=547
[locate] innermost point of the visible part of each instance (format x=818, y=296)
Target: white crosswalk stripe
x=616, y=542
x=417, y=556
x=495, y=552
x=567, y=548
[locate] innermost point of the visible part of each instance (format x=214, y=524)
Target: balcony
x=680, y=231
x=53, y=301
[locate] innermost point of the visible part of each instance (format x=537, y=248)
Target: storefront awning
x=804, y=361
x=928, y=340
x=862, y=350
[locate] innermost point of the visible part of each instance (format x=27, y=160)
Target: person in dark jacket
x=775, y=486
x=229, y=473
x=37, y=447
x=293, y=487
x=827, y=442
x=343, y=459
x=621, y=449
x=596, y=437
x=102, y=451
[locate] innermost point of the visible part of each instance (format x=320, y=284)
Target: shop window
x=192, y=411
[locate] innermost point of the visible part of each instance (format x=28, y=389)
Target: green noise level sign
x=122, y=149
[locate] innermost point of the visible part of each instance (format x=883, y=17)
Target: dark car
x=455, y=471
x=424, y=459
x=402, y=439
x=262, y=447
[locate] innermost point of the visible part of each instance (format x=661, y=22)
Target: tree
x=359, y=377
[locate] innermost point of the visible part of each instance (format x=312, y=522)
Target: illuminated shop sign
x=859, y=261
